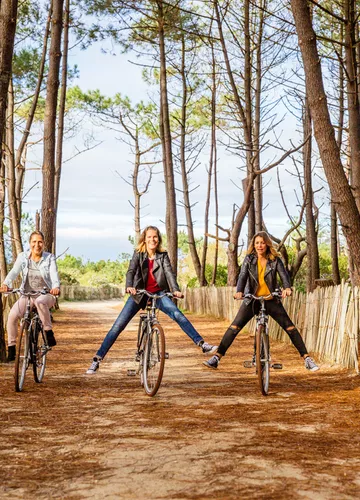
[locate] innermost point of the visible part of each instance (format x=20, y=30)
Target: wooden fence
x=104, y=292
x=75, y=292
x=328, y=318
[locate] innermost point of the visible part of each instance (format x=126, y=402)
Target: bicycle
x=31, y=344
x=262, y=344
x=150, y=354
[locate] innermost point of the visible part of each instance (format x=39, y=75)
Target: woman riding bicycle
x=149, y=269
x=39, y=271
x=258, y=276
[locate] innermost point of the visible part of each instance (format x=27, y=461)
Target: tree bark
x=352, y=97
x=184, y=174
x=8, y=16
x=313, y=268
x=171, y=212
x=61, y=118
x=258, y=194
x=213, y=162
x=3, y=266
x=334, y=245
x=15, y=222
x=324, y=133
x=20, y=156
x=48, y=169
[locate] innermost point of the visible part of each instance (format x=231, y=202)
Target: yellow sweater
x=262, y=288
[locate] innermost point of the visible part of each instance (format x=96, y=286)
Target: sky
x=95, y=218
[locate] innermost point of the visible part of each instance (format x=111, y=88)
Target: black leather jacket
x=248, y=281
x=137, y=274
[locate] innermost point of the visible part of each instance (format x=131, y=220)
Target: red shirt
x=151, y=285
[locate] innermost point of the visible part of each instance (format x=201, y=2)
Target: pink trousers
x=42, y=303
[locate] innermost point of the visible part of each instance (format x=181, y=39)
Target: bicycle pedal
x=167, y=355
x=277, y=366
x=131, y=373
x=248, y=364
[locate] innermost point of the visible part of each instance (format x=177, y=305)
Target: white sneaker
x=208, y=348
x=94, y=366
x=310, y=364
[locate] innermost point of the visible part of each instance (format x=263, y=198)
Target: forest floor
x=206, y=434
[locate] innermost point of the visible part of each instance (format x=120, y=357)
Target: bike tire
x=40, y=349
x=154, y=360
x=22, y=358
x=263, y=359
x=140, y=350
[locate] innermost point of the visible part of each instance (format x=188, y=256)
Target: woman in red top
x=149, y=268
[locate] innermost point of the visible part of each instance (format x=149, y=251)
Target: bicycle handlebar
x=44, y=291
x=155, y=295
x=277, y=294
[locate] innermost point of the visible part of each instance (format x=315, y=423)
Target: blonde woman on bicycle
x=39, y=271
x=149, y=269
x=258, y=276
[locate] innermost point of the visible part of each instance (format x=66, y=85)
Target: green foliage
x=221, y=276
x=325, y=267
x=74, y=271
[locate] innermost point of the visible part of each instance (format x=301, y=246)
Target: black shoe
x=11, y=353
x=50, y=338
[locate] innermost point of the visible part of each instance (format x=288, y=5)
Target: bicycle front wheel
x=22, y=359
x=40, y=349
x=154, y=360
x=263, y=359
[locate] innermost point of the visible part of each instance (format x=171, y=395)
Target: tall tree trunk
x=243, y=117
x=20, y=152
x=3, y=270
x=334, y=247
x=333, y=215
x=248, y=113
x=202, y=280
x=137, y=195
x=257, y=121
x=48, y=169
x=8, y=16
x=3, y=266
x=15, y=222
x=213, y=162
x=60, y=131
x=171, y=212
x=324, y=133
x=352, y=97
x=313, y=268
x=184, y=173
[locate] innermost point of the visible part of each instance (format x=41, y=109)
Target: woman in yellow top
x=258, y=277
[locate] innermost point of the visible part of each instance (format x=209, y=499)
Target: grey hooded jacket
x=47, y=267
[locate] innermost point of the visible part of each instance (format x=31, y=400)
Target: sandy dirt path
x=207, y=434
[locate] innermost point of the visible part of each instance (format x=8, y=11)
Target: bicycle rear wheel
x=22, y=359
x=263, y=359
x=40, y=349
x=154, y=360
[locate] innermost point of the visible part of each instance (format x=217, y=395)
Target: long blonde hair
x=141, y=246
x=271, y=252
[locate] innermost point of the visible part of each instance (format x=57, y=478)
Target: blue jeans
x=131, y=308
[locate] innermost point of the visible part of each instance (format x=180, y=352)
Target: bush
x=221, y=276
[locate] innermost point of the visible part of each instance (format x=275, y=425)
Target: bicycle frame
x=28, y=341
x=150, y=354
x=262, y=343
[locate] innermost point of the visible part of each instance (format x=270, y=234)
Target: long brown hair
x=271, y=252
x=141, y=246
